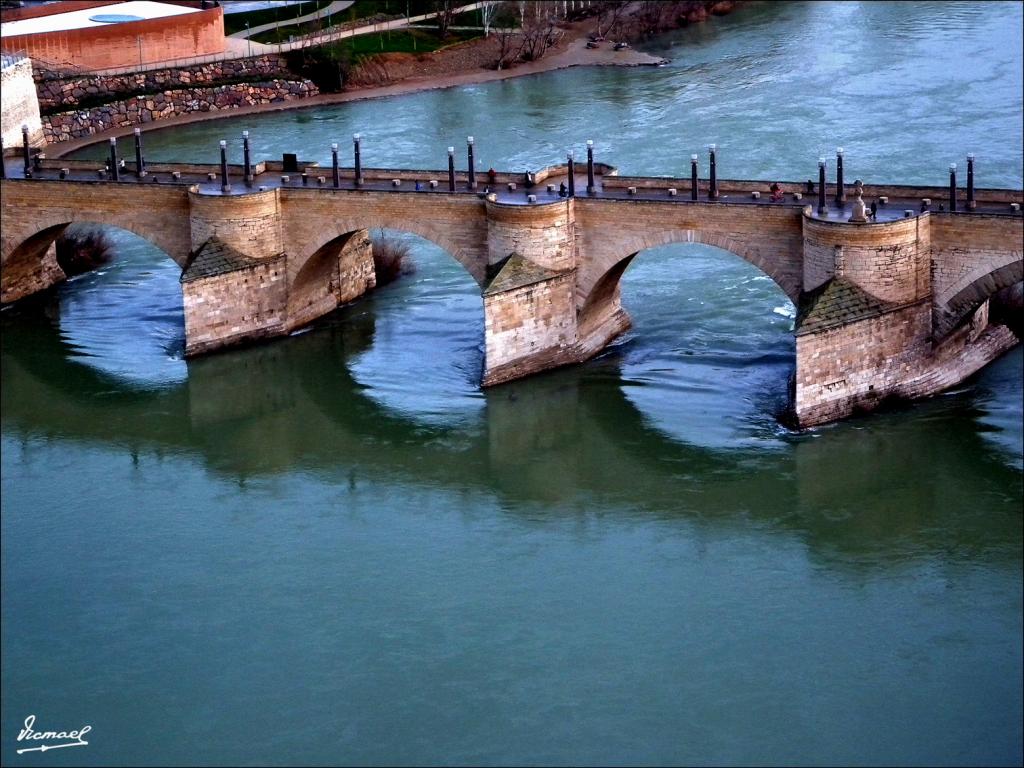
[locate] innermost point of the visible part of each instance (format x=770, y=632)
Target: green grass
x=405, y=41
x=235, y=22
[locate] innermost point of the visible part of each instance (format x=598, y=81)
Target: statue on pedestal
x=859, y=214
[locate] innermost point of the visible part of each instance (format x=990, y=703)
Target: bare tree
x=510, y=46
x=609, y=16
x=487, y=11
x=539, y=30
x=444, y=9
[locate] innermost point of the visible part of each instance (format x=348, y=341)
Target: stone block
x=511, y=186
x=285, y=179
x=672, y=192
x=531, y=198
x=755, y=195
x=176, y=175
x=433, y=183
x=632, y=190
x=396, y=182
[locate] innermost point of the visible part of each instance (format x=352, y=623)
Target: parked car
x=621, y=46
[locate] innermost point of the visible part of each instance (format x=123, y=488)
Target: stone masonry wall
x=887, y=260
x=58, y=91
x=159, y=106
x=528, y=329
x=859, y=364
x=235, y=307
x=18, y=103
x=341, y=272
x=249, y=223
x=543, y=234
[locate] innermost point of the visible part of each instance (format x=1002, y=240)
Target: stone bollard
x=632, y=190
x=176, y=175
x=433, y=183
x=511, y=186
x=531, y=198
x=396, y=182
x=263, y=187
x=671, y=191
x=756, y=195
x=926, y=202
x=907, y=213
x=285, y=179
x=1015, y=207
x=101, y=173
x=797, y=196
x=552, y=187
x=321, y=179
x=883, y=200
x=64, y=172
x=211, y=177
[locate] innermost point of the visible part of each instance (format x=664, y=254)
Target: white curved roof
x=146, y=9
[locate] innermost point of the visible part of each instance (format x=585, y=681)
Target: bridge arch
x=170, y=241
x=595, y=292
x=29, y=261
x=469, y=253
x=971, y=290
x=605, y=258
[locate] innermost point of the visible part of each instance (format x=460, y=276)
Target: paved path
x=335, y=7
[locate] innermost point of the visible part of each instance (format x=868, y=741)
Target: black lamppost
x=26, y=156
x=971, y=204
x=822, y=207
x=359, y=165
x=591, y=188
x=472, y=170
x=140, y=169
x=225, y=184
x=713, y=189
x=246, y=160
x=113, y=159
x=952, y=186
x=572, y=174
x=334, y=165
x=693, y=177
x=840, y=191
x=451, y=169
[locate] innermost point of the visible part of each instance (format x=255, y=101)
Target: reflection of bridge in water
x=271, y=410
x=896, y=306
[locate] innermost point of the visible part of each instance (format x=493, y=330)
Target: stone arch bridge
x=897, y=306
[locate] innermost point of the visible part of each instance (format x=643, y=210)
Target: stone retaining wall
x=57, y=90
x=159, y=106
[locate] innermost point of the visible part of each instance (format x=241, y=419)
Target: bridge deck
x=608, y=186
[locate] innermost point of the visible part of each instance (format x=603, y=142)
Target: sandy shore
x=572, y=52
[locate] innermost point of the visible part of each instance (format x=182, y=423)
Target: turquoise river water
x=335, y=548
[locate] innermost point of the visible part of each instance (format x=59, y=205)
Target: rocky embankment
x=138, y=110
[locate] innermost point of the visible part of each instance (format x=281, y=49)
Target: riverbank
x=428, y=72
